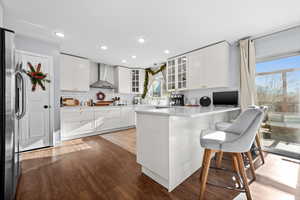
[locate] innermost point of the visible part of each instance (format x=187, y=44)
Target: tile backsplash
x=109, y=94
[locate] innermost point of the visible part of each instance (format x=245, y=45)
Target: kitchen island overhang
x=168, y=141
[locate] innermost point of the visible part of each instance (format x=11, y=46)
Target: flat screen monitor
x=228, y=98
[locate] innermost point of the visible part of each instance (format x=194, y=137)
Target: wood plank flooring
x=93, y=168
x=126, y=141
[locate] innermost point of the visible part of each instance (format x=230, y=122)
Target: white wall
x=41, y=47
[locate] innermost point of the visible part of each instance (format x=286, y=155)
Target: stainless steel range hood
x=102, y=82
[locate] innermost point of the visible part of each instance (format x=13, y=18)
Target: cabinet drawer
x=104, y=123
x=76, y=116
x=77, y=128
x=108, y=113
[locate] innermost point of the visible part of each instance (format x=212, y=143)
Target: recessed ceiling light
x=103, y=47
x=59, y=34
x=133, y=57
x=141, y=40
x=124, y=61
x=166, y=51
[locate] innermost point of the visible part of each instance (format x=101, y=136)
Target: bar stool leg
x=219, y=159
x=243, y=175
x=202, y=166
x=257, y=139
x=251, y=165
x=236, y=169
x=204, y=173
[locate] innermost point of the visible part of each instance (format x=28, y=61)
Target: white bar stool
x=237, y=139
x=222, y=126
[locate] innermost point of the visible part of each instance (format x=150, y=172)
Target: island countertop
x=188, y=111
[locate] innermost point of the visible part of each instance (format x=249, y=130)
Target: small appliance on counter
x=137, y=100
x=177, y=100
x=205, y=101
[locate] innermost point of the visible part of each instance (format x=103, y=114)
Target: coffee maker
x=177, y=100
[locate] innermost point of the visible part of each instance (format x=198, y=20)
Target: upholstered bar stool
x=237, y=139
x=222, y=126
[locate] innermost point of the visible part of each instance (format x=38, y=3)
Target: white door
x=35, y=126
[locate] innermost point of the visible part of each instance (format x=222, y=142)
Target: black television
x=227, y=98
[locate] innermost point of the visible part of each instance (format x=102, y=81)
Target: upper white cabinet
x=122, y=77
x=137, y=81
x=209, y=67
x=171, y=74
x=205, y=68
x=177, y=73
x=129, y=80
x=74, y=73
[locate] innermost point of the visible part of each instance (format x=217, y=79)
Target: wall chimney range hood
x=102, y=82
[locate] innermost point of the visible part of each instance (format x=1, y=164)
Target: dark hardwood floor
x=93, y=168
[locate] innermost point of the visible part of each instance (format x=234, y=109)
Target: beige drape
x=248, y=87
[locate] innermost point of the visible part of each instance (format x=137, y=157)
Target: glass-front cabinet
x=181, y=75
x=171, y=74
x=177, y=73
x=135, y=81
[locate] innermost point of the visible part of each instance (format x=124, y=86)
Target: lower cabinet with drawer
x=107, y=119
x=80, y=122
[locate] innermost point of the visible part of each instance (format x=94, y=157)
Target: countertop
x=105, y=107
x=188, y=111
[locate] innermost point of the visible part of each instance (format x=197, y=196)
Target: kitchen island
x=168, y=146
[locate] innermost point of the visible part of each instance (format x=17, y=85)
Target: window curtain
x=248, y=62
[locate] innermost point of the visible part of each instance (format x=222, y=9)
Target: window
x=278, y=87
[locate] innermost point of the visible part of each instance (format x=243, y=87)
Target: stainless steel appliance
x=177, y=100
x=13, y=106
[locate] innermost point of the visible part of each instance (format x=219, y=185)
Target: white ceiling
x=177, y=25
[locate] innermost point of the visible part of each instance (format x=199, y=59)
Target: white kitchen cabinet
x=196, y=75
x=205, y=68
x=209, y=67
x=127, y=116
x=80, y=122
x=122, y=77
x=216, y=62
x=71, y=129
x=74, y=73
x=171, y=74
x=77, y=122
x=106, y=119
x=177, y=73
x=137, y=81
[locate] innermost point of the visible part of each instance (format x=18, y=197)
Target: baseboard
x=95, y=133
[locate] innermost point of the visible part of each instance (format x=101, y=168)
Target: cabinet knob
x=46, y=106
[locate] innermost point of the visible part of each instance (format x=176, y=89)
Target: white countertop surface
x=188, y=111
x=105, y=107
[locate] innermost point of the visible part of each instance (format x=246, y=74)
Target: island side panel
x=186, y=152
x=153, y=146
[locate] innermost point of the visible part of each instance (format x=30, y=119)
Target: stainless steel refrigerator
x=13, y=108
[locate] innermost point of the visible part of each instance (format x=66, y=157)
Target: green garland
x=150, y=71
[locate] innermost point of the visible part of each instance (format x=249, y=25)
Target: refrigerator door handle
x=23, y=82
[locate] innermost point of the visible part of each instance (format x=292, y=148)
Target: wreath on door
x=37, y=77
